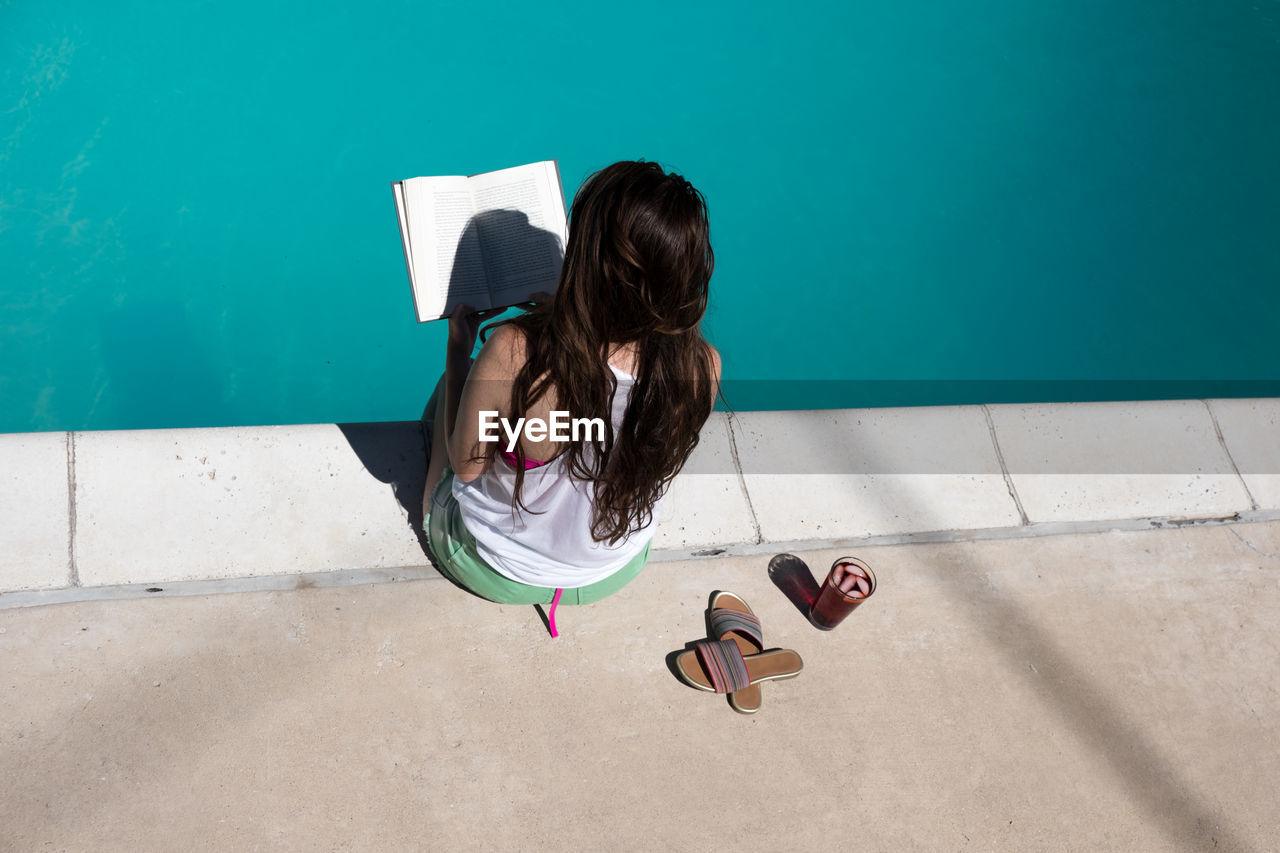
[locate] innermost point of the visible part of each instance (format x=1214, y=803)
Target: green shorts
x=455, y=551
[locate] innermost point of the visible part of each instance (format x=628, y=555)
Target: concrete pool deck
x=1074, y=644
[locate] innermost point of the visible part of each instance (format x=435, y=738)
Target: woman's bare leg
x=439, y=453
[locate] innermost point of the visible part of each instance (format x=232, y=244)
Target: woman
x=619, y=342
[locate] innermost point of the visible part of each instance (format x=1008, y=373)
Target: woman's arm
x=486, y=387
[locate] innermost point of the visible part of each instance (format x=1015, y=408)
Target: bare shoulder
x=715, y=361
x=503, y=353
x=509, y=339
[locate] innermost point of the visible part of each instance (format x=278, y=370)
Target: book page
x=523, y=229
x=443, y=246
x=397, y=189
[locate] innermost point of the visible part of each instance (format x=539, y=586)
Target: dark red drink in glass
x=849, y=583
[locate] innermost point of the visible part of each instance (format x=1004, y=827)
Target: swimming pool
x=912, y=203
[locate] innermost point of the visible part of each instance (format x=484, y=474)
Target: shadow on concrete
x=542, y=614
x=791, y=574
x=1156, y=788
x=59, y=787
x=1164, y=797
x=396, y=453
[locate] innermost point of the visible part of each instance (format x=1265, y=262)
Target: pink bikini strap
x=510, y=459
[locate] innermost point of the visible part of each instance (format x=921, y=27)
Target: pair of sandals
x=735, y=662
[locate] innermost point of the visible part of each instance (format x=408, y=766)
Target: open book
x=489, y=240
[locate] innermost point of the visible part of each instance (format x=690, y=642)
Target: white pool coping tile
x=217, y=503
x=156, y=506
x=1251, y=431
x=853, y=473
x=1117, y=460
x=35, y=517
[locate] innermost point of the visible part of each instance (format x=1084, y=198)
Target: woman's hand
x=464, y=325
x=534, y=299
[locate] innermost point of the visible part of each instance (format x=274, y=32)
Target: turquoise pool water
x=196, y=227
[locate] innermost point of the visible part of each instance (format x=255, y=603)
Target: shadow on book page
x=501, y=259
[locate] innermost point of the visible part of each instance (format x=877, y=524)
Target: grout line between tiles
x=1253, y=503
x=1004, y=469
x=742, y=480
x=73, y=579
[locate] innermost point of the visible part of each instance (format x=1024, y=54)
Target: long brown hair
x=637, y=270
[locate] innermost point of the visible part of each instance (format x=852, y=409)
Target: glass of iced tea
x=849, y=583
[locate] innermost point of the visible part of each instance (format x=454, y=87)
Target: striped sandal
x=717, y=666
x=735, y=663
x=729, y=617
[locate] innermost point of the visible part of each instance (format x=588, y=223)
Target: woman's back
x=633, y=291
x=620, y=344
x=544, y=538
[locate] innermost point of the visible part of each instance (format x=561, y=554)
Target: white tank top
x=554, y=548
